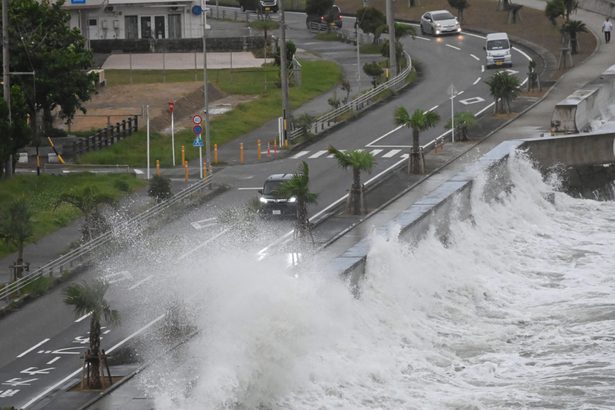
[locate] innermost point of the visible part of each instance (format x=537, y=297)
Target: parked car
x=497, y=50
x=260, y=6
x=331, y=18
x=439, y=22
x=272, y=203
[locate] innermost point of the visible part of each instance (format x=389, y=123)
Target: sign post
x=452, y=92
x=198, y=141
x=147, y=132
x=171, y=109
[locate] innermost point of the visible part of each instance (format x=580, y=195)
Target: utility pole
x=6, y=78
x=392, y=51
x=284, y=75
x=205, y=94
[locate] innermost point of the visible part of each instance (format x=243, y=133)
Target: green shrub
x=39, y=286
x=121, y=185
x=159, y=188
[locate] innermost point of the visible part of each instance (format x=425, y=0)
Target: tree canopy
x=42, y=41
x=14, y=132
x=370, y=20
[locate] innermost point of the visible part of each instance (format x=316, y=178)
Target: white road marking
x=375, y=152
x=55, y=359
x=482, y=68
x=139, y=283
x=300, y=154
x=34, y=347
x=83, y=317
x=391, y=153
x=385, y=135
x=191, y=251
x=318, y=154
x=73, y=374
x=451, y=46
x=333, y=156
x=476, y=81
x=474, y=57
x=250, y=188
x=433, y=108
x=203, y=223
x=121, y=275
x=423, y=38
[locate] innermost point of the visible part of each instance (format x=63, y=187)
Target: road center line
x=196, y=248
x=451, y=46
x=474, y=57
x=83, y=317
x=34, y=347
x=139, y=283
x=476, y=81
x=247, y=189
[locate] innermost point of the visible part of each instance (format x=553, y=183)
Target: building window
x=92, y=22
x=159, y=26
x=132, y=28
x=146, y=27
x=175, y=26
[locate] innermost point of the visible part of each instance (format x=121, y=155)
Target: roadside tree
x=463, y=122
x=374, y=70
x=16, y=227
x=460, y=6
x=43, y=42
x=299, y=188
x=371, y=21
x=419, y=121
x=14, y=131
x=89, y=298
x=359, y=161
x=572, y=28
x=504, y=87
x=88, y=200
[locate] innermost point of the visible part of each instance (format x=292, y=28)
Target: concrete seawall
x=452, y=197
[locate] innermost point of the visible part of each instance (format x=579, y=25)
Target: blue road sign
x=198, y=142
x=77, y=1
x=197, y=129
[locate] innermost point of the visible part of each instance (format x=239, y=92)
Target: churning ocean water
x=515, y=311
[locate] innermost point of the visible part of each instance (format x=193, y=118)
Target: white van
x=497, y=47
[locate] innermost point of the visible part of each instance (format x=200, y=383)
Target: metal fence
x=357, y=105
x=88, y=250
x=107, y=136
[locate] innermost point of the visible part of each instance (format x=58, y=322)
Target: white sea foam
x=515, y=311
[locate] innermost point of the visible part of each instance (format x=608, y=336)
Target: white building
x=136, y=19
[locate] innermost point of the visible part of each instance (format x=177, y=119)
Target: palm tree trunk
x=416, y=156
x=94, y=359
x=355, y=193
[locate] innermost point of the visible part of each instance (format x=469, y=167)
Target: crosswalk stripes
x=390, y=153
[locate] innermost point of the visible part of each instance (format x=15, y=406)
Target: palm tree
x=16, y=229
x=88, y=201
x=298, y=187
x=359, y=161
x=90, y=298
x=572, y=28
x=419, y=121
x=504, y=87
x=463, y=122
x=560, y=8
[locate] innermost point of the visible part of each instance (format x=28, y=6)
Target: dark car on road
x=260, y=6
x=272, y=203
x=332, y=18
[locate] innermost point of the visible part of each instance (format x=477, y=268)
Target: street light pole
x=6, y=69
x=205, y=94
x=284, y=73
x=392, y=48
x=452, y=91
x=356, y=30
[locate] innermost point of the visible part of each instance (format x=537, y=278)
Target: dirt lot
x=115, y=103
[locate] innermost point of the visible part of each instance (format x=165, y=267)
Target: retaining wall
x=576, y=112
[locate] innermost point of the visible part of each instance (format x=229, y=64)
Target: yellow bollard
x=183, y=156
x=241, y=152
x=286, y=143
x=186, y=171
x=215, y=153
x=158, y=167
x=204, y=169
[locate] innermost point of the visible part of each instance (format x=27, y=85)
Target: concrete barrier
x=604, y=7
x=577, y=111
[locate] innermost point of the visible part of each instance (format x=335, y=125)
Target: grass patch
x=43, y=191
x=370, y=48
x=318, y=77
x=330, y=36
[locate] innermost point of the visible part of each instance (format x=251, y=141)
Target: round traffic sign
x=197, y=119
x=171, y=106
x=197, y=129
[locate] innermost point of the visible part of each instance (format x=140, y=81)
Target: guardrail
x=359, y=104
x=84, y=253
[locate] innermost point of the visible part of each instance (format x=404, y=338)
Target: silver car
x=439, y=22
